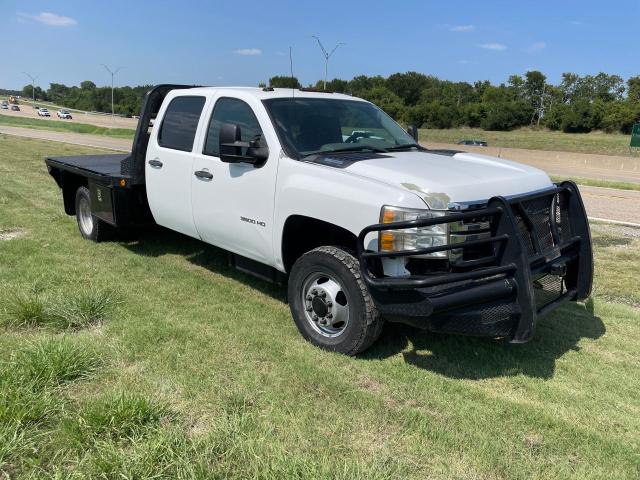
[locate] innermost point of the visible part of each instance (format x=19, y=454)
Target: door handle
x=203, y=175
x=155, y=163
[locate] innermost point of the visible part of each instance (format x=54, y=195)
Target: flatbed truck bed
x=104, y=167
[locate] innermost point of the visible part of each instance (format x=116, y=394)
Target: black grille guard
x=540, y=257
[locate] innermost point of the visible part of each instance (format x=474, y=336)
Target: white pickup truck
x=328, y=193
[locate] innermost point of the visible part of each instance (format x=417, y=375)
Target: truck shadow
x=159, y=241
x=449, y=355
x=478, y=358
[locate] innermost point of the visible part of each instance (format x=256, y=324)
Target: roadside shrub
x=30, y=309
x=506, y=116
x=88, y=307
x=25, y=310
x=619, y=117
x=52, y=362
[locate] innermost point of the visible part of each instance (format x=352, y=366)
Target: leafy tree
x=407, y=86
x=580, y=117
x=505, y=115
x=386, y=100
x=284, y=82
x=619, y=117
x=28, y=90
x=87, y=85
x=362, y=83
x=633, y=89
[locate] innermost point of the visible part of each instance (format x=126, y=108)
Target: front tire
x=90, y=227
x=330, y=303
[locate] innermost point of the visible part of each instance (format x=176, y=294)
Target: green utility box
x=635, y=137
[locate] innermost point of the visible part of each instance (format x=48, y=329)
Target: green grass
x=536, y=139
x=197, y=371
x=60, y=126
x=592, y=182
x=29, y=308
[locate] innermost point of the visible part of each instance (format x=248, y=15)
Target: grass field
x=61, y=126
x=536, y=139
x=152, y=358
x=593, y=182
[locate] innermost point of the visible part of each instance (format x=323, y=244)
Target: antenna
x=291, y=62
x=327, y=56
x=293, y=90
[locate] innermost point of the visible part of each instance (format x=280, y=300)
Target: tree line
x=577, y=104
x=89, y=97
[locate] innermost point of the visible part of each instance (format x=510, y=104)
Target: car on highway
x=476, y=143
x=43, y=112
x=15, y=108
x=327, y=193
x=64, y=114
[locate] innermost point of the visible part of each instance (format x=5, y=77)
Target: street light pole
x=112, y=75
x=326, y=56
x=33, y=87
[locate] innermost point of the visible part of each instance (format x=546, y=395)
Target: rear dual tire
x=90, y=227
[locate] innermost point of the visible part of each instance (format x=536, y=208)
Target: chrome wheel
x=326, y=304
x=85, y=219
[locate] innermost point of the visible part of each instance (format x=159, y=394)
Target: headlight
x=412, y=238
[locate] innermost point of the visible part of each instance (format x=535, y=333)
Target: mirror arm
x=237, y=143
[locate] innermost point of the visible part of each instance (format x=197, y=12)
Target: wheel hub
x=325, y=302
x=319, y=307
x=86, y=219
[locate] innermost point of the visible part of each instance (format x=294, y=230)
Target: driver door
x=233, y=202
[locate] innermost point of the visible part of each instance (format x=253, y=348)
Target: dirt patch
x=12, y=233
x=370, y=384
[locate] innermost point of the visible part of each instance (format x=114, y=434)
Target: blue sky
x=243, y=43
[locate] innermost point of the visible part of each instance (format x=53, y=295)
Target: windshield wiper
x=355, y=148
x=404, y=147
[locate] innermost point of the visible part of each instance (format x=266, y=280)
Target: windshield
x=312, y=125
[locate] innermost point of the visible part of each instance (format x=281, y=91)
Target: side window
x=180, y=123
x=231, y=110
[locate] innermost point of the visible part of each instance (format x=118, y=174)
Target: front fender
x=332, y=195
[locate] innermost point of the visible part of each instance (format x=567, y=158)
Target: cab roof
x=267, y=93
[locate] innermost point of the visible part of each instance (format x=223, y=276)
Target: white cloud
x=493, y=46
x=536, y=47
x=463, y=28
x=248, y=51
x=576, y=22
x=50, y=19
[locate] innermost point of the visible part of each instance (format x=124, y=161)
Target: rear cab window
x=180, y=122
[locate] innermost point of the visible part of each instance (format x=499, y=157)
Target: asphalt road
x=601, y=203
x=100, y=120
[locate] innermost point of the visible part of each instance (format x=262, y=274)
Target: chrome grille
x=460, y=232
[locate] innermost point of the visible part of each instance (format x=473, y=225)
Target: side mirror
x=231, y=147
x=413, y=131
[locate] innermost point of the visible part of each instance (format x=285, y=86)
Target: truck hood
x=440, y=179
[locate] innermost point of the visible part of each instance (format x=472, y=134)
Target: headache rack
x=532, y=254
